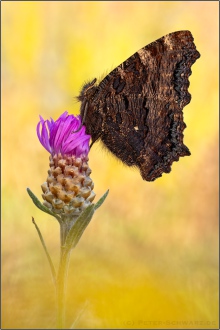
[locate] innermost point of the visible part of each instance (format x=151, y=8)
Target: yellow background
x=149, y=258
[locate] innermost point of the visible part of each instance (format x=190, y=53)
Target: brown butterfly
x=136, y=110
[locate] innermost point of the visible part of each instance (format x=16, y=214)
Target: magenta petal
x=43, y=135
x=59, y=137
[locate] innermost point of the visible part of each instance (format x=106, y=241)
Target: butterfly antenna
x=84, y=116
x=91, y=144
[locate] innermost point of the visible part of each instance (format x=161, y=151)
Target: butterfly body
x=136, y=110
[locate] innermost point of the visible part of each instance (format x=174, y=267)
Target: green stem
x=53, y=272
x=62, y=277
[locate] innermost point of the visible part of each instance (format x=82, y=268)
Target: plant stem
x=62, y=277
x=53, y=272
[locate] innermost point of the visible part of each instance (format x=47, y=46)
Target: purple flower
x=59, y=137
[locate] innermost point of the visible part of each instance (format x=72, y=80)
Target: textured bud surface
x=69, y=188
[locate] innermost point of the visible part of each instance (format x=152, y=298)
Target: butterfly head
x=87, y=91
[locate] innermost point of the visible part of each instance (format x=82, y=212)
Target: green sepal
x=101, y=200
x=79, y=226
x=40, y=205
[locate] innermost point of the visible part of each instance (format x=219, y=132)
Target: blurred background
x=149, y=258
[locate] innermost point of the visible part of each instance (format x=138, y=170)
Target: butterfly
x=136, y=110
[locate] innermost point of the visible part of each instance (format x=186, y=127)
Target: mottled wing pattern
x=136, y=110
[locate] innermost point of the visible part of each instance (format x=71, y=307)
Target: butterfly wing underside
x=138, y=106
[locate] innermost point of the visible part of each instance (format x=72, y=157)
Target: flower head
x=68, y=189
x=59, y=137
